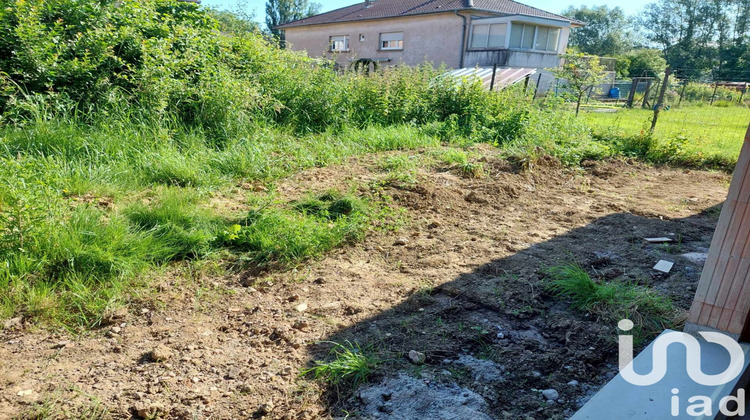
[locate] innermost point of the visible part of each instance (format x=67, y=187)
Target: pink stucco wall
x=435, y=38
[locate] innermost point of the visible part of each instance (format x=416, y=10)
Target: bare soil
x=462, y=280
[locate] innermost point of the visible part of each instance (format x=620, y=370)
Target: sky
x=257, y=7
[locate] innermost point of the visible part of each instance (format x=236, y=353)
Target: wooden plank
x=743, y=306
x=722, y=299
x=733, y=303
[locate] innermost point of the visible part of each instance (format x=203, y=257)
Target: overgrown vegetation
x=695, y=136
x=122, y=120
x=614, y=300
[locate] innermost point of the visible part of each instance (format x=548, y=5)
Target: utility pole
x=660, y=102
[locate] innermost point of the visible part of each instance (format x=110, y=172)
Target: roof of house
x=380, y=9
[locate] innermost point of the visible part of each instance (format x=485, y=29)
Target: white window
x=489, y=35
x=339, y=43
x=532, y=37
x=392, y=41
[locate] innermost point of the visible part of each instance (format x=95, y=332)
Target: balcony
x=511, y=58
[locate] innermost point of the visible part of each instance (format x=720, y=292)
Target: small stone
x=573, y=383
x=300, y=325
x=416, y=357
x=401, y=242
x=302, y=307
x=551, y=394
x=60, y=345
x=144, y=311
x=25, y=392
x=13, y=323
x=149, y=410
x=266, y=408
x=116, y=329
x=161, y=353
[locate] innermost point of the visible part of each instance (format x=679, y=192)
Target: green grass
x=614, y=300
x=282, y=237
x=704, y=132
x=350, y=366
x=87, y=212
x=58, y=408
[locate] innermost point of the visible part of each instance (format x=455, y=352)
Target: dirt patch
x=462, y=280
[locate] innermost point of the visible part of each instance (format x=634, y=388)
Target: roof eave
x=296, y=24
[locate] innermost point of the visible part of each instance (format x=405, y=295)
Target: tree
x=279, y=12
x=643, y=62
x=234, y=22
x=685, y=30
x=580, y=73
x=607, y=31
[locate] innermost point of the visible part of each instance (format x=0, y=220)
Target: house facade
x=456, y=33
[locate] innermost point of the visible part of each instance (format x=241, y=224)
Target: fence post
x=631, y=94
x=660, y=101
x=682, y=92
x=536, y=89
x=649, y=85
x=713, y=96
x=492, y=82
x=742, y=92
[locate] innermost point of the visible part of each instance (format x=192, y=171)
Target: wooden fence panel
x=722, y=300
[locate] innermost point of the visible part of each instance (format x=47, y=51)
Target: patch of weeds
x=398, y=163
x=473, y=170
x=350, y=366
x=331, y=206
x=60, y=409
x=285, y=237
x=453, y=157
x=613, y=301
x=176, y=221
x=459, y=160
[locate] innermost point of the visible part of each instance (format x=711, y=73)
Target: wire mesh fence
x=707, y=117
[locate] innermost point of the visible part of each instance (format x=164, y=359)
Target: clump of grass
x=472, y=169
x=176, y=221
x=459, y=159
x=331, y=205
x=58, y=408
x=350, y=366
x=613, y=301
x=398, y=163
x=277, y=237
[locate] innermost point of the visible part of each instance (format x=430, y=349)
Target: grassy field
x=703, y=130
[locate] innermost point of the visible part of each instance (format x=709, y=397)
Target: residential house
x=456, y=33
